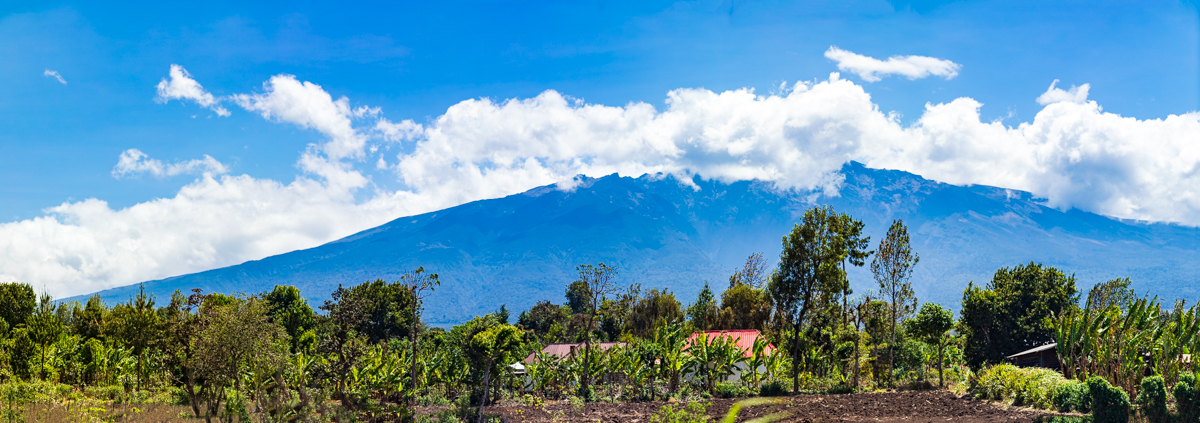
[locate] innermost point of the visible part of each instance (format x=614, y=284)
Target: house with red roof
x=743, y=339
x=561, y=351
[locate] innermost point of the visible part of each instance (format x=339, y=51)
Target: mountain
x=661, y=232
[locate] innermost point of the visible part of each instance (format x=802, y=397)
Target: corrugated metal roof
x=1035, y=349
x=564, y=350
x=743, y=338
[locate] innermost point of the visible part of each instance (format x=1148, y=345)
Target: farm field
x=906, y=406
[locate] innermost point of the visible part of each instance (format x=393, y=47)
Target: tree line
x=365, y=354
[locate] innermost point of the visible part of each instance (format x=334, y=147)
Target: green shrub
x=1187, y=399
x=1110, y=404
x=694, y=412
x=1063, y=419
x=1152, y=401
x=1072, y=396
x=1030, y=386
x=773, y=388
x=731, y=390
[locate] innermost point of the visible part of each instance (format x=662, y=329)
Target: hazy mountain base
x=660, y=232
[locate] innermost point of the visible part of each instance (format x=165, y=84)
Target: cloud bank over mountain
x=1072, y=153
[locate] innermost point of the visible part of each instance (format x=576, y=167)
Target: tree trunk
x=412, y=389
x=892, y=345
x=940, y=347
x=487, y=372
x=795, y=359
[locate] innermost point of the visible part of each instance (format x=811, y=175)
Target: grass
x=50, y=402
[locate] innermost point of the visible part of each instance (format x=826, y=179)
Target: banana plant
x=669, y=342
x=756, y=364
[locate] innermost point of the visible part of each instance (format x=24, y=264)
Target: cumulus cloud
x=307, y=105
x=55, y=75
x=181, y=86
x=1053, y=95
x=871, y=69
x=134, y=162
x=1072, y=153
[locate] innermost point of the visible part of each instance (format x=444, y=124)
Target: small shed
x=1043, y=356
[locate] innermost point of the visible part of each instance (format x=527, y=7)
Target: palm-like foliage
x=1122, y=344
x=712, y=358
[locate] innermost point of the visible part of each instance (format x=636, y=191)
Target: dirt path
x=928, y=406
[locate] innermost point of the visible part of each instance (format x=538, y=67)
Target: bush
x=1187, y=399
x=1063, y=419
x=732, y=390
x=1152, y=401
x=1072, y=396
x=1030, y=386
x=773, y=388
x=1110, y=404
x=694, y=412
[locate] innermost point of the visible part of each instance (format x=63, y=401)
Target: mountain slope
x=660, y=232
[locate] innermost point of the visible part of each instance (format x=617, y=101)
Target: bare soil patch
x=909, y=406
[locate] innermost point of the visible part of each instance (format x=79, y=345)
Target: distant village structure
x=1043, y=356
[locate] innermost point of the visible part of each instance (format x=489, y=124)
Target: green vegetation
x=365, y=355
x=1029, y=386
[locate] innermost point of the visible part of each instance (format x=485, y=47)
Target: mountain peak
x=665, y=233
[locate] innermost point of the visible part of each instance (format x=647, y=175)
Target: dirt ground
x=911, y=406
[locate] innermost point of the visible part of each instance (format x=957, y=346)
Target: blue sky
x=61, y=142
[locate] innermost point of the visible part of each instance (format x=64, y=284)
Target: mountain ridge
x=663, y=232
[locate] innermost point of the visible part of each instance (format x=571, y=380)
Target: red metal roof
x=743, y=338
x=564, y=350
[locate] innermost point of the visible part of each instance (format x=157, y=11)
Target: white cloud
x=181, y=86
x=1057, y=95
x=56, y=76
x=307, y=105
x=871, y=69
x=134, y=161
x=1072, y=153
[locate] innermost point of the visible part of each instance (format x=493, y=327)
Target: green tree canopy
x=17, y=302
x=931, y=325
x=291, y=311
x=808, y=277
x=1114, y=292
x=1010, y=314
x=702, y=314
x=655, y=308
x=542, y=317
x=387, y=309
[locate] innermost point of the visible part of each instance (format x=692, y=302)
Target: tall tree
x=600, y=283
x=892, y=267
x=753, y=273
x=852, y=248
x=137, y=325
x=419, y=284
x=808, y=275
x=233, y=336
x=703, y=312
x=496, y=344
x=44, y=329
